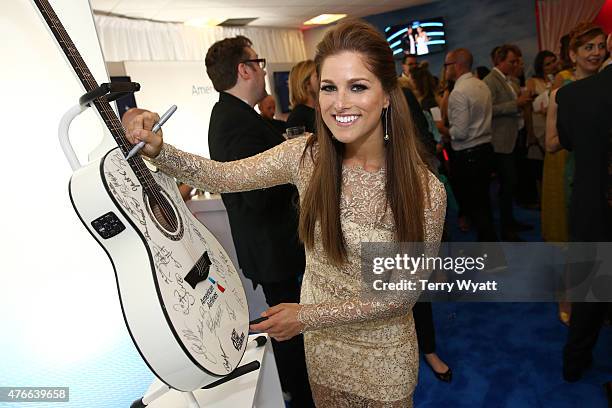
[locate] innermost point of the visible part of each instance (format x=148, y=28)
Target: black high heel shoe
x=446, y=376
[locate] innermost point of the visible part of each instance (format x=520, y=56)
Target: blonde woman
x=303, y=85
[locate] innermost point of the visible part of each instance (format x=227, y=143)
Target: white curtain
x=558, y=17
x=138, y=40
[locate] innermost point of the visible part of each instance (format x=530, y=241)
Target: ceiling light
x=324, y=19
x=203, y=22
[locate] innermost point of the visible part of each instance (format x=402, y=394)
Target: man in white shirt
x=469, y=116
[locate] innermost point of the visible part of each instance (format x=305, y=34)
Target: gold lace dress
x=359, y=352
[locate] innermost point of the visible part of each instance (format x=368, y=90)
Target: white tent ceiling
x=269, y=13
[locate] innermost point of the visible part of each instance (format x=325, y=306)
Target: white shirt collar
x=463, y=77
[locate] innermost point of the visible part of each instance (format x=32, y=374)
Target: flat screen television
x=418, y=37
x=281, y=88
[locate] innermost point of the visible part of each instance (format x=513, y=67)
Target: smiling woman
x=361, y=179
x=351, y=101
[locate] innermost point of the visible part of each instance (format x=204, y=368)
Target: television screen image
x=281, y=87
x=419, y=37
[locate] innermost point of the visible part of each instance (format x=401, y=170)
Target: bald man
x=267, y=108
x=469, y=115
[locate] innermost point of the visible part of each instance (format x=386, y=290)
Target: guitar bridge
x=199, y=272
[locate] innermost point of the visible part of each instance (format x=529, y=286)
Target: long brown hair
x=406, y=188
x=424, y=82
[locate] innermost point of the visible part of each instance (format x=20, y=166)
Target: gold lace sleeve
x=393, y=303
x=275, y=166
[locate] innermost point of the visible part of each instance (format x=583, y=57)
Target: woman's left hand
x=282, y=323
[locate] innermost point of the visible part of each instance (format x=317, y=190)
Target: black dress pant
x=585, y=323
x=289, y=355
x=473, y=168
x=424, y=326
x=506, y=172
x=455, y=182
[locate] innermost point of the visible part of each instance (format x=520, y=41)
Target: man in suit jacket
x=584, y=127
x=263, y=222
x=504, y=131
x=409, y=41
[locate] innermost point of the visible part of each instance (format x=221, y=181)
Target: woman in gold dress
x=361, y=179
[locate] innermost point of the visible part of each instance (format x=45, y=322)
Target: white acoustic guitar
x=181, y=297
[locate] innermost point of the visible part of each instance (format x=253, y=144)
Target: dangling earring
x=386, y=118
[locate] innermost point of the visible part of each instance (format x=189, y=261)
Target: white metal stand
x=64, y=136
x=260, y=388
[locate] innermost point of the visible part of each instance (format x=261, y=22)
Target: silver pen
x=155, y=129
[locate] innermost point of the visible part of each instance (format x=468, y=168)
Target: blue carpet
x=508, y=354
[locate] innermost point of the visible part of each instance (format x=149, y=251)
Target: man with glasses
x=263, y=222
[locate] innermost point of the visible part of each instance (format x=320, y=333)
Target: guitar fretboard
x=109, y=117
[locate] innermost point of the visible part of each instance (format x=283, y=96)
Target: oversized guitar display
x=181, y=297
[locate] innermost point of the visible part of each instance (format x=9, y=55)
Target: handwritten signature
x=225, y=357
x=231, y=313
x=162, y=258
x=238, y=298
x=212, y=322
x=197, y=338
x=184, y=297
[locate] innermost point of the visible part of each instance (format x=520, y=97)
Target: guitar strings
x=111, y=120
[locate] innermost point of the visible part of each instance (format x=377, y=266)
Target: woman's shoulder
x=301, y=109
x=297, y=144
x=564, y=77
x=302, y=150
x=432, y=183
x=299, y=115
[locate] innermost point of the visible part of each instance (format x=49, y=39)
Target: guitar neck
x=108, y=115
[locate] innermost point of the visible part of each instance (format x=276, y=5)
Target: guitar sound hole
x=166, y=216
x=164, y=213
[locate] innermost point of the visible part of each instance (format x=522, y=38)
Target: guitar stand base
x=156, y=390
x=260, y=388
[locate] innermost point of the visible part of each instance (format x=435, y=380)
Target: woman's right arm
x=273, y=167
x=267, y=169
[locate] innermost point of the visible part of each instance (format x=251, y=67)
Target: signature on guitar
x=184, y=297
